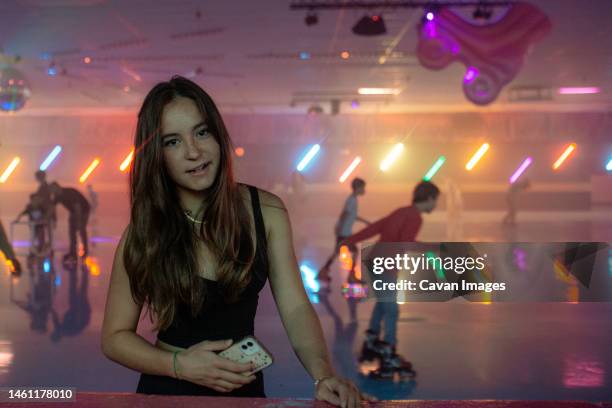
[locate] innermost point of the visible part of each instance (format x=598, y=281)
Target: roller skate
x=393, y=364
x=372, y=348
x=354, y=291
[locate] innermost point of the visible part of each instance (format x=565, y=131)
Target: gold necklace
x=190, y=218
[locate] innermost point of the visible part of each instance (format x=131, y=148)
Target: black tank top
x=217, y=320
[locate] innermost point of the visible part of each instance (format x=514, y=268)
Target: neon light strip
x=579, y=90
x=52, y=156
x=477, y=156
x=434, y=169
x=309, y=156
x=89, y=170
x=609, y=165
x=378, y=91
x=568, y=150
x=391, y=157
x=350, y=169
x=125, y=165
x=9, y=170
x=520, y=170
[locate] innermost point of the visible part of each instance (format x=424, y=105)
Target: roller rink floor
x=50, y=324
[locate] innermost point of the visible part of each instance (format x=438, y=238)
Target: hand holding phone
x=249, y=350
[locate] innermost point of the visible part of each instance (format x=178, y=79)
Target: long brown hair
x=160, y=249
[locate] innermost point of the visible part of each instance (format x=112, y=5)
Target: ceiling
x=246, y=54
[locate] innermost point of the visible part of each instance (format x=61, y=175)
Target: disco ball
x=14, y=90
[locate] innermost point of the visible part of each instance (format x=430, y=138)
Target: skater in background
x=343, y=229
x=39, y=217
x=43, y=186
x=402, y=225
x=44, y=194
x=78, y=209
x=514, y=192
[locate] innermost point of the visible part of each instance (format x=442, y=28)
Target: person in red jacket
x=402, y=225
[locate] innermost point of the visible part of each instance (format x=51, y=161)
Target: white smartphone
x=248, y=350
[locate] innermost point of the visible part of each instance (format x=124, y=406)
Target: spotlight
x=429, y=13
x=370, y=26
x=311, y=19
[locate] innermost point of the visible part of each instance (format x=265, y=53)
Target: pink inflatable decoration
x=493, y=54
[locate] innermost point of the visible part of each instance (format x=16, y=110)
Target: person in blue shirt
x=344, y=229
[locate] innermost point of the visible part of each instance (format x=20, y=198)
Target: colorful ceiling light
x=397, y=150
x=308, y=157
x=477, y=156
x=350, y=169
x=521, y=169
x=89, y=170
x=568, y=150
x=50, y=158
